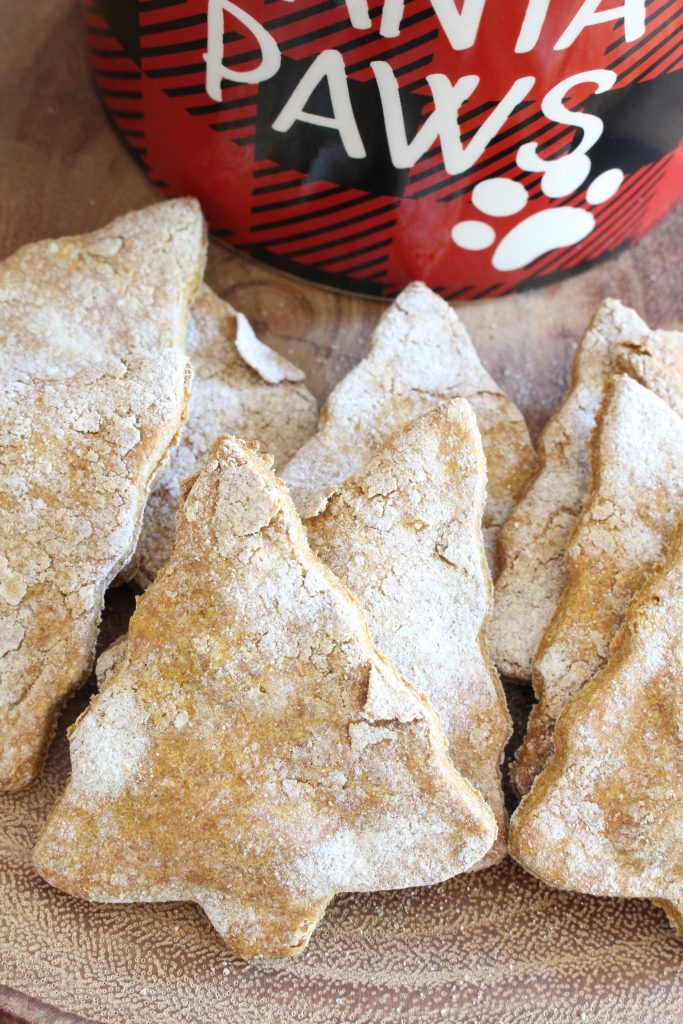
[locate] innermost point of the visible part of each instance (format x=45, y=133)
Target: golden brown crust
x=77, y=459
x=606, y=815
x=251, y=751
x=239, y=386
x=123, y=290
x=419, y=356
x=533, y=541
x=404, y=535
x=630, y=512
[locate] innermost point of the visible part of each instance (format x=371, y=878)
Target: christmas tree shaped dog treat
x=251, y=751
x=533, y=541
x=606, y=815
x=419, y=355
x=239, y=386
x=404, y=535
x=125, y=289
x=77, y=459
x=630, y=512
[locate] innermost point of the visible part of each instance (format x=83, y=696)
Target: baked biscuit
x=404, y=535
x=239, y=386
x=656, y=360
x=631, y=509
x=533, y=541
x=606, y=815
x=251, y=751
x=419, y=355
x=123, y=290
x=77, y=460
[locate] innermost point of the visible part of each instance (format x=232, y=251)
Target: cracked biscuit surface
x=239, y=386
x=77, y=459
x=404, y=535
x=606, y=815
x=419, y=356
x=123, y=290
x=251, y=751
x=656, y=360
x=629, y=516
x=533, y=541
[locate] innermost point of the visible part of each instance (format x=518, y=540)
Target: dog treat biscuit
x=77, y=460
x=533, y=541
x=404, y=535
x=123, y=290
x=239, y=386
x=606, y=815
x=251, y=751
x=629, y=515
x=419, y=356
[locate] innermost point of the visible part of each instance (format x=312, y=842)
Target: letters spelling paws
x=251, y=751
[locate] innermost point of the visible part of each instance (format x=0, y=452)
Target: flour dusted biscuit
x=656, y=360
x=239, y=386
x=419, y=355
x=606, y=815
x=533, y=541
x=630, y=512
x=77, y=459
x=250, y=750
x=404, y=535
x=123, y=290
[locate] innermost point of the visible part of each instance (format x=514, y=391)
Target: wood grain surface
x=492, y=948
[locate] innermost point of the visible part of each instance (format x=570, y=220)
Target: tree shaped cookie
x=251, y=751
x=606, y=815
x=419, y=355
x=123, y=290
x=404, y=535
x=77, y=459
x=239, y=386
x=630, y=512
x=532, y=543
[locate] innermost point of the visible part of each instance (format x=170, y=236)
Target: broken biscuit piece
x=123, y=290
x=404, y=535
x=251, y=751
x=630, y=513
x=533, y=541
x=606, y=815
x=77, y=460
x=419, y=356
x=239, y=386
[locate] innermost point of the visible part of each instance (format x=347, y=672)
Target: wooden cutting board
x=492, y=948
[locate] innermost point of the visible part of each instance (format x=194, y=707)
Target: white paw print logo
x=541, y=232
